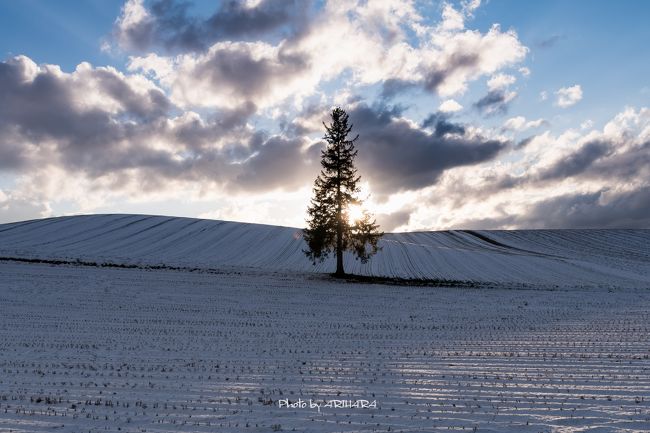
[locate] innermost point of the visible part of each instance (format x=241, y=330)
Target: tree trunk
x=339, y=218
x=339, y=249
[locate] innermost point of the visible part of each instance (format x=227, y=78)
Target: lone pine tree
x=335, y=191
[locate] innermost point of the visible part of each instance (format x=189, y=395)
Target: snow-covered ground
x=215, y=324
x=96, y=349
x=550, y=258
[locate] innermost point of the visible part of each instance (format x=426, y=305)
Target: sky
x=472, y=114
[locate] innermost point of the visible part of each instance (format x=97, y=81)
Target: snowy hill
x=541, y=257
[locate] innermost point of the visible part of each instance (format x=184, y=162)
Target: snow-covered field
x=547, y=258
x=217, y=343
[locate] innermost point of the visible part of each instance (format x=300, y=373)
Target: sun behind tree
x=331, y=227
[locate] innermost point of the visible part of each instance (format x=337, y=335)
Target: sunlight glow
x=355, y=213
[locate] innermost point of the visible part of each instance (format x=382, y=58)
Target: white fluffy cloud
x=133, y=24
x=519, y=123
x=568, y=96
x=591, y=179
x=136, y=150
x=500, y=81
x=229, y=74
x=358, y=43
x=15, y=207
x=453, y=59
x=449, y=106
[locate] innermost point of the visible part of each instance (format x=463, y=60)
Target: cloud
x=450, y=106
x=495, y=102
x=230, y=104
x=597, y=210
x=117, y=132
x=519, y=123
x=550, y=41
x=568, y=96
x=452, y=19
x=576, y=162
x=500, y=82
x=463, y=56
x=456, y=64
x=586, y=124
x=118, y=135
x=524, y=142
x=393, y=87
x=600, y=160
x=134, y=27
x=228, y=74
x=620, y=153
x=602, y=209
x=469, y=6
x=51, y=113
x=99, y=124
x=388, y=222
x=278, y=163
x=396, y=155
x=365, y=43
x=441, y=125
x=167, y=23
x=597, y=178
x=93, y=134
x=17, y=208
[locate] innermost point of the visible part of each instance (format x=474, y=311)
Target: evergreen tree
x=335, y=190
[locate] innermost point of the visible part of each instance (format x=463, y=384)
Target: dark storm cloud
x=495, y=102
x=600, y=209
x=395, y=155
x=170, y=24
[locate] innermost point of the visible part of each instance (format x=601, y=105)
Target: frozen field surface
x=86, y=349
x=587, y=258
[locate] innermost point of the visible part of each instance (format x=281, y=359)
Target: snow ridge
x=608, y=257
